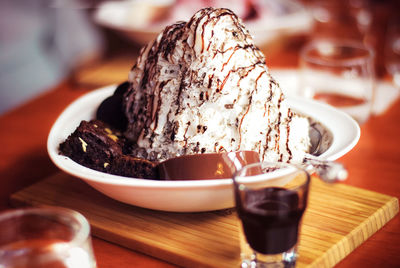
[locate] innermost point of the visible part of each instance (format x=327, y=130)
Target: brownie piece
x=130, y=166
x=93, y=144
x=96, y=145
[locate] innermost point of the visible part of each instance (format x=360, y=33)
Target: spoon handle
x=328, y=171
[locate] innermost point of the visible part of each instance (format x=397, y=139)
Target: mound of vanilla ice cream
x=202, y=86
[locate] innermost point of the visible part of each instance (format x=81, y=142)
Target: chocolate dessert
x=129, y=166
x=98, y=146
x=201, y=86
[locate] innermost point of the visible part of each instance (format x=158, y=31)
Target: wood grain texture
x=338, y=219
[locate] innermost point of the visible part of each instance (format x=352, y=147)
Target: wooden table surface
x=373, y=164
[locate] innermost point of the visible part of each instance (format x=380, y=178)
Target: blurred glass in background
x=40, y=43
x=349, y=19
x=340, y=73
x=392, y=50
x=366, y=21
x=363, y=24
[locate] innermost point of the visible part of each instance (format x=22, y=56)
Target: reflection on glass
x=45, y=237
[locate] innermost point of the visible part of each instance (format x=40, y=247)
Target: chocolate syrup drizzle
x=142, y=102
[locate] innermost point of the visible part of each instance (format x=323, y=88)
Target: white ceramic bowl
x=181, y=196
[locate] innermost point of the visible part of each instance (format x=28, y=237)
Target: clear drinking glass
x=340, y=73
x=270, y=201
x=45, y=237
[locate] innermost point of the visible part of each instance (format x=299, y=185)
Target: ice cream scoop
x=203, y=86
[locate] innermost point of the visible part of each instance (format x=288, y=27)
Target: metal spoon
x=328, y=171
x=316, y=140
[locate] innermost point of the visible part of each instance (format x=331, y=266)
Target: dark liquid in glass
x=270, y=219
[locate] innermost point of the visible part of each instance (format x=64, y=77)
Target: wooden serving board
x=338, y=219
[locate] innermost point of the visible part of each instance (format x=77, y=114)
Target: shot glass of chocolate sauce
x=270, y=201
x=45, y=237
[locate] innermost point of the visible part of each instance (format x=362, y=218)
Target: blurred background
x=95, y=43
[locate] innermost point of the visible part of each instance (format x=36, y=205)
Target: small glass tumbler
x=45, y=237
x=340, y=73
x=270, y=201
